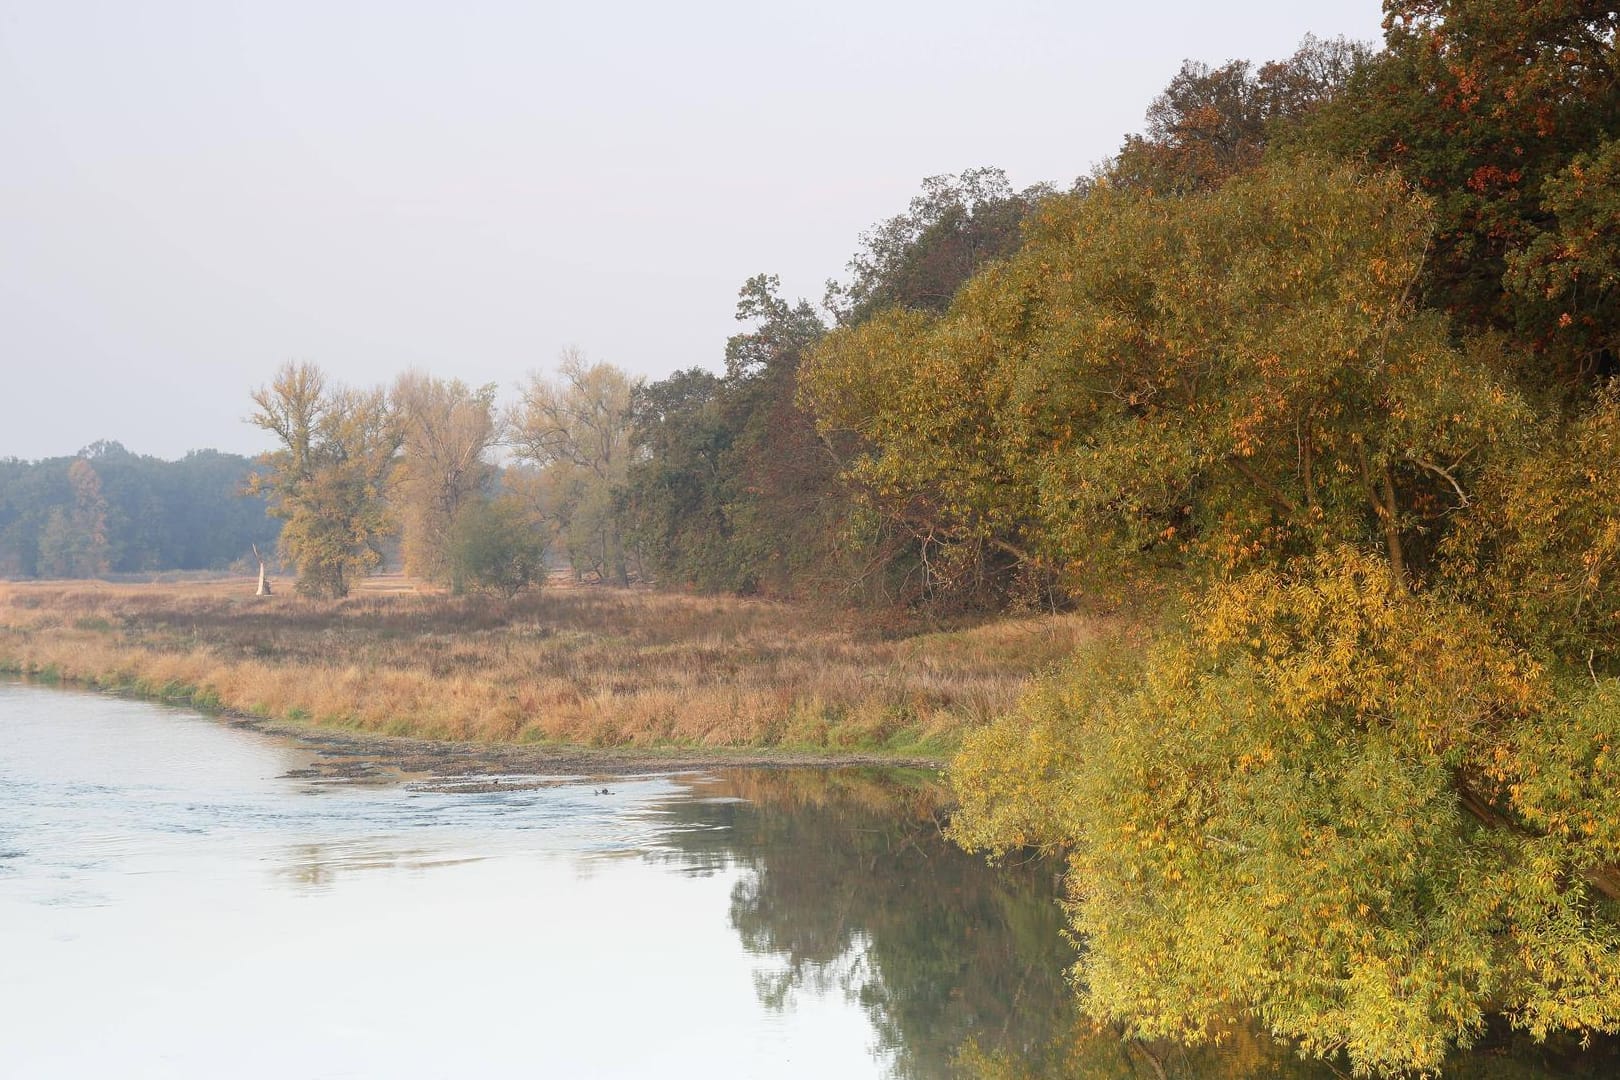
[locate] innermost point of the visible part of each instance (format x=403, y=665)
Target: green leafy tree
x=328, y=480
x=73, y=543
x=733, y=489
x=787, y=508
x=918, y=259
x=190, y=514
x=733, y=486
x=495, y=546
x=1153, y=385
x=680, y=487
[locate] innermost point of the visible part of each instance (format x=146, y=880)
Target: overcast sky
x=193, y=193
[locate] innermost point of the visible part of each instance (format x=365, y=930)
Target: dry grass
x=577, y=665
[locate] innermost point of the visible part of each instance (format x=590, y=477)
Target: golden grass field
x=569, y=664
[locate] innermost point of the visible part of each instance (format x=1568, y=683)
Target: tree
x=1155, y=385
x=328, y=480
x=1539, y=549
x=1567, y=277
x=1355, y=814
x=189, y=514
x=732, y=487
x=447, y=428
x=576, y=429
x=73, y=543
x=919, y=259
x=1211, y=124
x=1480, y=104
x=494, y=546
x=680, y=487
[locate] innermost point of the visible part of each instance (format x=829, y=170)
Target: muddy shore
x=480, y=767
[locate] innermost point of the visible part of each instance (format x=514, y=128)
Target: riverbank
x=600, y=670
x=469, y=767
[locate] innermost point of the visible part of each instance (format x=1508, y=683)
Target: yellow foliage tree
x=1352, y=813
x=328, y=479
x=447, y=430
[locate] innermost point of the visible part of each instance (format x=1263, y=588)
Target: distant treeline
x=108, y=511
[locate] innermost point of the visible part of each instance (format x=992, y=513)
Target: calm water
x=174, y=904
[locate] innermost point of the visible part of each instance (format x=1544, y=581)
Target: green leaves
x=1161, y=384
x=494, y=546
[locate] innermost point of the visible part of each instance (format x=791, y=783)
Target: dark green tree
x=494, y=546
x=191, y=514
x=919, y=258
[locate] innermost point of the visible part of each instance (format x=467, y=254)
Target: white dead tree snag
x=264, y=580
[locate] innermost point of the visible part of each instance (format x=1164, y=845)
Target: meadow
x=578, y=665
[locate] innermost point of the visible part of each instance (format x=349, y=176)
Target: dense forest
x=1311, y=389
x=108, y=511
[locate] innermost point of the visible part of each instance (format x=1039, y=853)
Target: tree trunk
x=264, y=580
x=1385, y=510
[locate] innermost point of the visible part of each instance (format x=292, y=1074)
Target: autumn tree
x=328, y=479
x=74, y=541
x=1341, y=795
x=1566, y=278
x=1212, y=123
x=1490, y=107
x=448, y=429
x=1539, y=548
x=576, y=430
x=1154, y=385
x=1356, y=815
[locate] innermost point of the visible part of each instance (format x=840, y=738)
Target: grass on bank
x=592, y=666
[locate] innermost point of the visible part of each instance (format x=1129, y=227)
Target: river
x=179, y=897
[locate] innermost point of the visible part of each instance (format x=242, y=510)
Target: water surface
x=179, y=899
x=174, y=903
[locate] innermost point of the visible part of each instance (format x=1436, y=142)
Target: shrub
x=494, y=547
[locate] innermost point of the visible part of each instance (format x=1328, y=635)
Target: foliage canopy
x=328, y=479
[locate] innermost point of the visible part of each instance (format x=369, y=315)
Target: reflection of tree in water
x=960, y=968
x=1087, y=1052
x=853, y=888
x=316, y=867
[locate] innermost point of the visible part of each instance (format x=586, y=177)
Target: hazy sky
x=193, y=193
